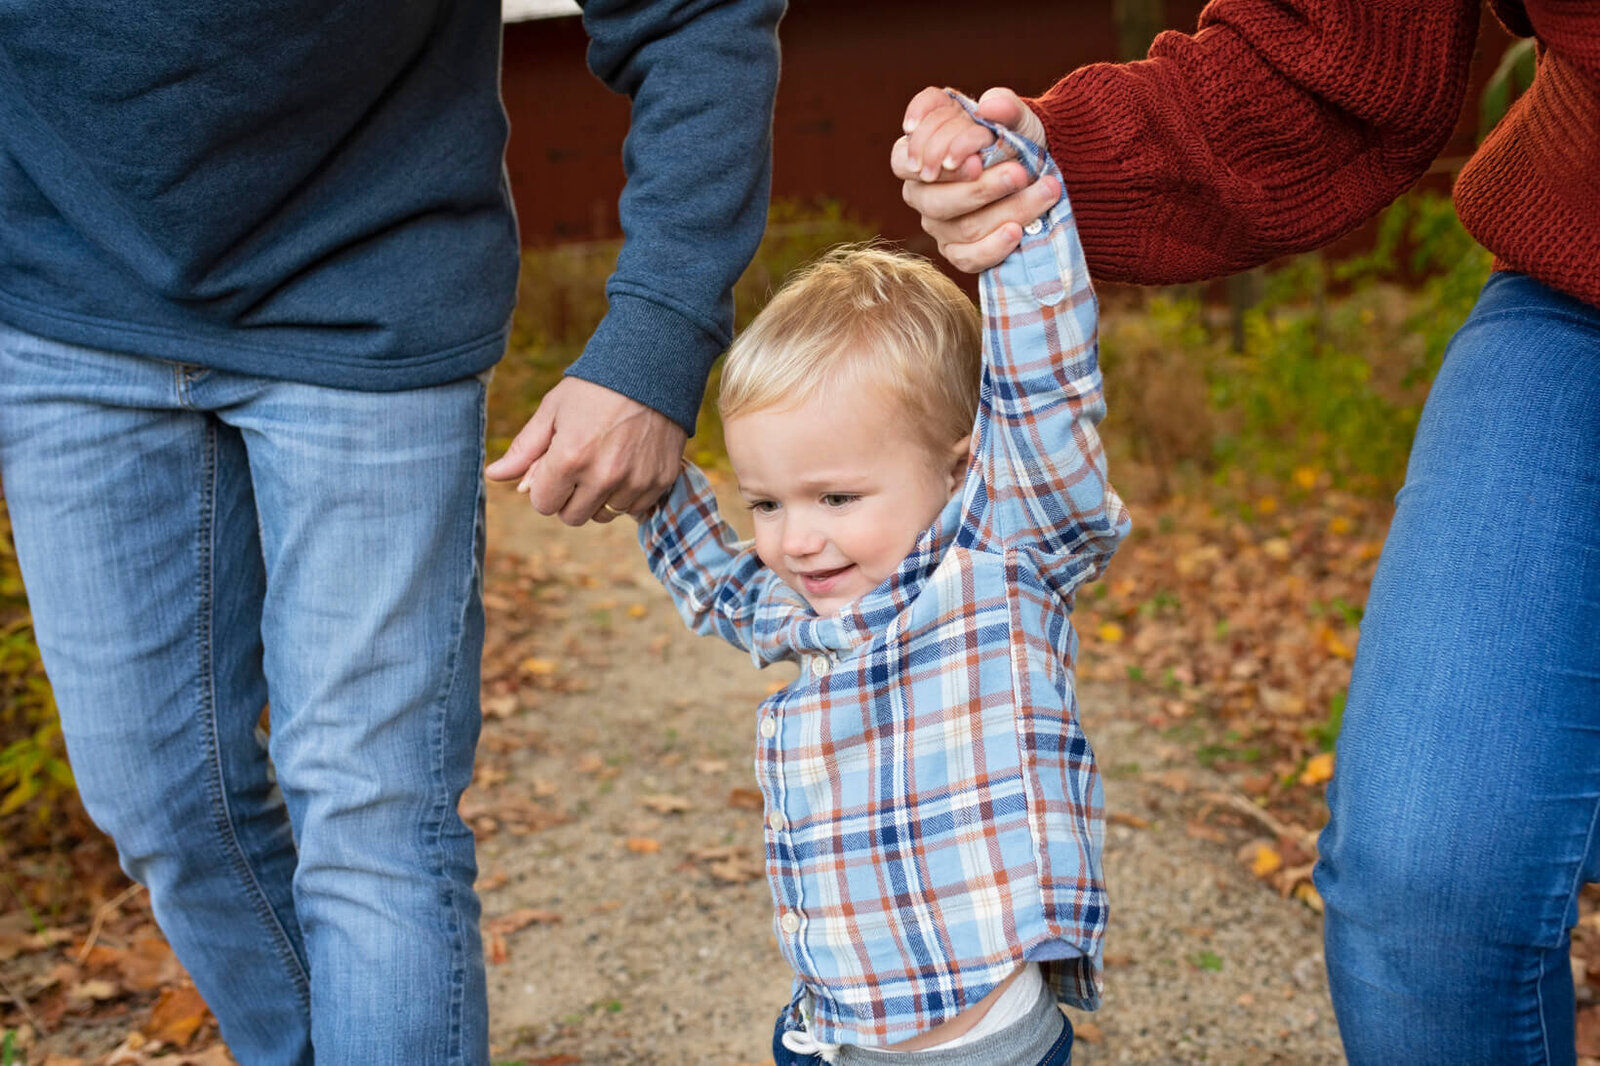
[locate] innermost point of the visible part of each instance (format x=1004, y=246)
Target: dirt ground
x=620, y=845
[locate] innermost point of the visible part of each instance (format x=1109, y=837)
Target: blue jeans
x=1467, y=788
x=198, y=543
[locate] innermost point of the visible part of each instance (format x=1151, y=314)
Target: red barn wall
x=848, y=70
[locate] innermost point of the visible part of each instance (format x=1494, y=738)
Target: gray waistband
x=1025, y=1042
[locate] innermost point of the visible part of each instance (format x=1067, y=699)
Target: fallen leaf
x=1266, y=860
x=1088, y=1032
x=518, y=919
x=589, y=764
x=53, y=1059
x=1589, y=1031
x=710, y=766
x=735, y=870
x=1201, y=831
x=177, y=1016
x=1173, y=780
x=1132, y=821
x=495, y=950
x=501, y=706
x=1307, y=893
x=666, y=804
x=637, y=610
x=1110, y=633
x=95, y=990
x=538, y=667
x=745, y=799
x=491, y=882
x=642, y=845
x=1319, y=770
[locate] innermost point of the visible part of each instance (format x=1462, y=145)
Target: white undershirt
x=1013, y=1004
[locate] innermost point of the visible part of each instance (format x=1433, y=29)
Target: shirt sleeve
x=702, y=75
x=1044, y=487
x=717, y=583
x=1273, y=128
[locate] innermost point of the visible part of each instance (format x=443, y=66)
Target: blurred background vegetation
x=1326, y=368
x=1307, y=373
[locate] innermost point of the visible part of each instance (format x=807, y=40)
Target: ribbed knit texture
x=1281, y=124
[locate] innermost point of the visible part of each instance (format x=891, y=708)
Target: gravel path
x=620, y=844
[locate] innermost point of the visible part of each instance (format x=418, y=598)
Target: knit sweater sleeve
x=1274, y=128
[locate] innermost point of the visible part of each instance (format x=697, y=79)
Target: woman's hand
x=975, y=215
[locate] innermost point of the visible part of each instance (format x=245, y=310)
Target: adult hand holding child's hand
x=975, y=215
x=590, y=453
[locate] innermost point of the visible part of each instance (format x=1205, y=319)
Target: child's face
x=840, y=489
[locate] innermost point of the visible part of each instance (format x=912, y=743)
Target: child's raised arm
x=717, y=584
x=1040, y=458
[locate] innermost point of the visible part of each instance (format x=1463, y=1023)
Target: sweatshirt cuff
x=652, y=354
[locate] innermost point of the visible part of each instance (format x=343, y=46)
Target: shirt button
x=820, y=665
x=1033, y=228
x=776, y=821
x=769, y=727
x=790, y=922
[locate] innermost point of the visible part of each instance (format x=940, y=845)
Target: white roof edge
x=527, y=10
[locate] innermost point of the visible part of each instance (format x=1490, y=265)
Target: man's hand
x=591, y=453
x=975, y=215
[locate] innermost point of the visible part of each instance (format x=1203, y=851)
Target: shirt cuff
x=652, y=354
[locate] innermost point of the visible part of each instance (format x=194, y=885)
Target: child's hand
x=975, y=215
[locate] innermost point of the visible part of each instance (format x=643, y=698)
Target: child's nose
x=801, y=539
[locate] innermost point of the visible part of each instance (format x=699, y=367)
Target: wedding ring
x=612, y=509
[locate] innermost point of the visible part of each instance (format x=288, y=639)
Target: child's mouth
x=821, y=582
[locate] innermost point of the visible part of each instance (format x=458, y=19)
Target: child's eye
x=763, y=506
x=839, y=499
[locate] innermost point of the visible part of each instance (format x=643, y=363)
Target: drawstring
x=801, y=1042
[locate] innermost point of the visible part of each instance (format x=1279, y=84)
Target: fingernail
x=949, y=164
x=909, y=125
x=914, y=163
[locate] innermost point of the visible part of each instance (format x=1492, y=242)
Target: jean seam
x=1066, y=1035
x=440, y=814
x=222, y=813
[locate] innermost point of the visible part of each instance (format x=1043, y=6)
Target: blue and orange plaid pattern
x=934, y=814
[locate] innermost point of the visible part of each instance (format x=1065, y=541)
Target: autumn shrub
x=33, y=763
x=1332, y=373
x=561, y=298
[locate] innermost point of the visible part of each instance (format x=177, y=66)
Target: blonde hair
x=863, y=313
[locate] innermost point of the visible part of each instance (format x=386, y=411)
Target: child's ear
x=960, y=455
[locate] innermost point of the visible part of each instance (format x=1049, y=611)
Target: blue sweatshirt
x=314, y=190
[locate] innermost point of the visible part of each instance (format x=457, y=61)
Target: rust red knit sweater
x=1281, y=124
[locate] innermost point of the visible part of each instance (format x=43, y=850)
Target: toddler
x=927, y=498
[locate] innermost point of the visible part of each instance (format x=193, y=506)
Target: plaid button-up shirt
x=934, y=814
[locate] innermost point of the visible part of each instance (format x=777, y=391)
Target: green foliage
x=33, y=764
x=1510, y=78
x=561, y=299
x=1330, y=383
x=1326, y=733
